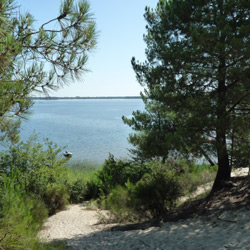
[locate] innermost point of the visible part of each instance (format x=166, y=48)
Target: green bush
x=80, y=181
x=55, y=198
x=93, y=188
x=156, y=193
x=118, y=198
x=76, y=190
x=151, y=196
x=38, y=164
x=115, y=173
x=118, y=202
x=20, y=217
x=40, y=169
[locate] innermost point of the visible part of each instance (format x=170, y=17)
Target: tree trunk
x=224, y=168
x=207, y=157
x=163, y=161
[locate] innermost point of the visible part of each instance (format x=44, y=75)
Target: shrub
x=38, y=164
x=39, y=211
x=76, y=191
x=80, y=181
x=19, y=220
x=118, y=198
x=115, y=173
x=152, y=196
x=93, y=188
x=118, y=202
x=40, y=169
x=156, y=193
x=55, y=198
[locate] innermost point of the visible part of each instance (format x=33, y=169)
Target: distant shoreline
x=86, y=98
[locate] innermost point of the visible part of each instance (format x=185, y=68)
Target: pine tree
x=197, y=71
x=39, y=60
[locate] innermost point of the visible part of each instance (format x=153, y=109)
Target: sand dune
x=222, y=229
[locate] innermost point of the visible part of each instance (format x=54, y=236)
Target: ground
x=219, y=221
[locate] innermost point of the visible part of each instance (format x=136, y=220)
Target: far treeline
x=85, y=98
x=196, y=80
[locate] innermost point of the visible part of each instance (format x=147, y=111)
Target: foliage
x=81, y=182
x=151, y=141
x=118, y=203
x=194, y=175
x=20, y=217
x=196, y=77
x=38, y=165
x=43, y=170
x=239, y=150
x=94, y=188
x=40, y=169
x=40, y=59
x=32, y=165
x=55, y=198
x=76, y=190
x=156, y=193
x=153, y=195
x=115, y=173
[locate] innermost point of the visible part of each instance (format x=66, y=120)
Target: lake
x=89, y=128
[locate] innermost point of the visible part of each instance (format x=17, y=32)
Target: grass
x=195, y=176
x=82, y=170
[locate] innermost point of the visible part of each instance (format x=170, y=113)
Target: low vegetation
x=155, y=192
x=36, y=182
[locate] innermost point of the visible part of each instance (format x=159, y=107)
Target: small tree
x=197, y=72
x=37, y=60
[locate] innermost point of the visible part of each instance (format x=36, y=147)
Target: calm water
x=90, y=129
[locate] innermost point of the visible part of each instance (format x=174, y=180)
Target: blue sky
x=121, y=26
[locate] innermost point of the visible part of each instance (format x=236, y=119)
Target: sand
x=79, y=227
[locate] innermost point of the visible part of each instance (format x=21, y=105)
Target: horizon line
x=87, y=97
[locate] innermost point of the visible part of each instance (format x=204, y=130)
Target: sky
x=121, y=26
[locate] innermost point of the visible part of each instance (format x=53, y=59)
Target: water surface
x=90, y=129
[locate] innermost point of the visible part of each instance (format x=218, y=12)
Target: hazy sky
x=121, y=26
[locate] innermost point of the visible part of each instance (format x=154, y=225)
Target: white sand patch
x=76, y=220
x=224, y=230
x=240, y=172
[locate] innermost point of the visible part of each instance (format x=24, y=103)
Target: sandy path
x=221, y=230
x=76, y=220
x=225, y=230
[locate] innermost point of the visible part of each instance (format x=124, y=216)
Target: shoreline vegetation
x=86, y=98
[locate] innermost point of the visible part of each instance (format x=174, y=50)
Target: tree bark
x=207, y=157
x=224, y=168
